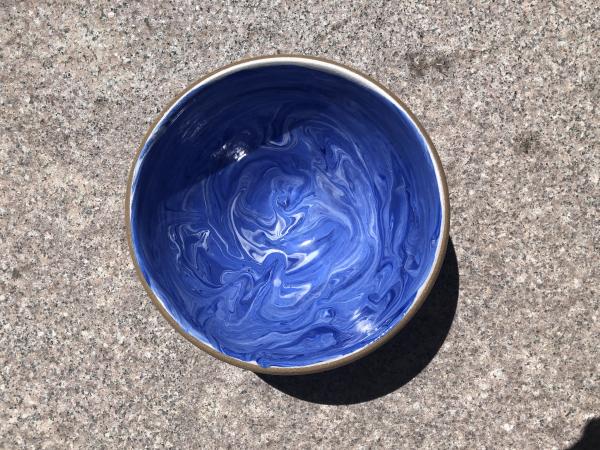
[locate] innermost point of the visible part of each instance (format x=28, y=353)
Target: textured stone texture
x=509, y=94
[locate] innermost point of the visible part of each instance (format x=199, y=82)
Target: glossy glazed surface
x=284, y=215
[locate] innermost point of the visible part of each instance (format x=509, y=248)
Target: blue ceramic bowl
x=287, y=214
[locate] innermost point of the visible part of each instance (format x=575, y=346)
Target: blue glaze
x=285, y=215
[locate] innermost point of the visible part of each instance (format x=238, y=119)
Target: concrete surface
x=509, y=94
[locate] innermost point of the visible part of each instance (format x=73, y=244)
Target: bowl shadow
x=395, y=363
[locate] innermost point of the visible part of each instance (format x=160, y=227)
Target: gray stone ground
x=509, y=94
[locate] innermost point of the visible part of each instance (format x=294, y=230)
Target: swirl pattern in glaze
x=285, y=215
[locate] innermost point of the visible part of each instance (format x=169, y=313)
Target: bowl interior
x=285, y=214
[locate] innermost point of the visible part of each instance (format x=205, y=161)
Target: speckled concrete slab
x=510, y=97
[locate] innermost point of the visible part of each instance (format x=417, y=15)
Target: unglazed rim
x=367, y=82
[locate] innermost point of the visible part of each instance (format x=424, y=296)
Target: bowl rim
x=422, y=293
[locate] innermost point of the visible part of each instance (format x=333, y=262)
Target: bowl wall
x=287, y=214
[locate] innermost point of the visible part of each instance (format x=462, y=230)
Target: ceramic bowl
x=287, y=214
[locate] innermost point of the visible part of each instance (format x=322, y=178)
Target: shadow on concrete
x=391, y=366
x=590, y=440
